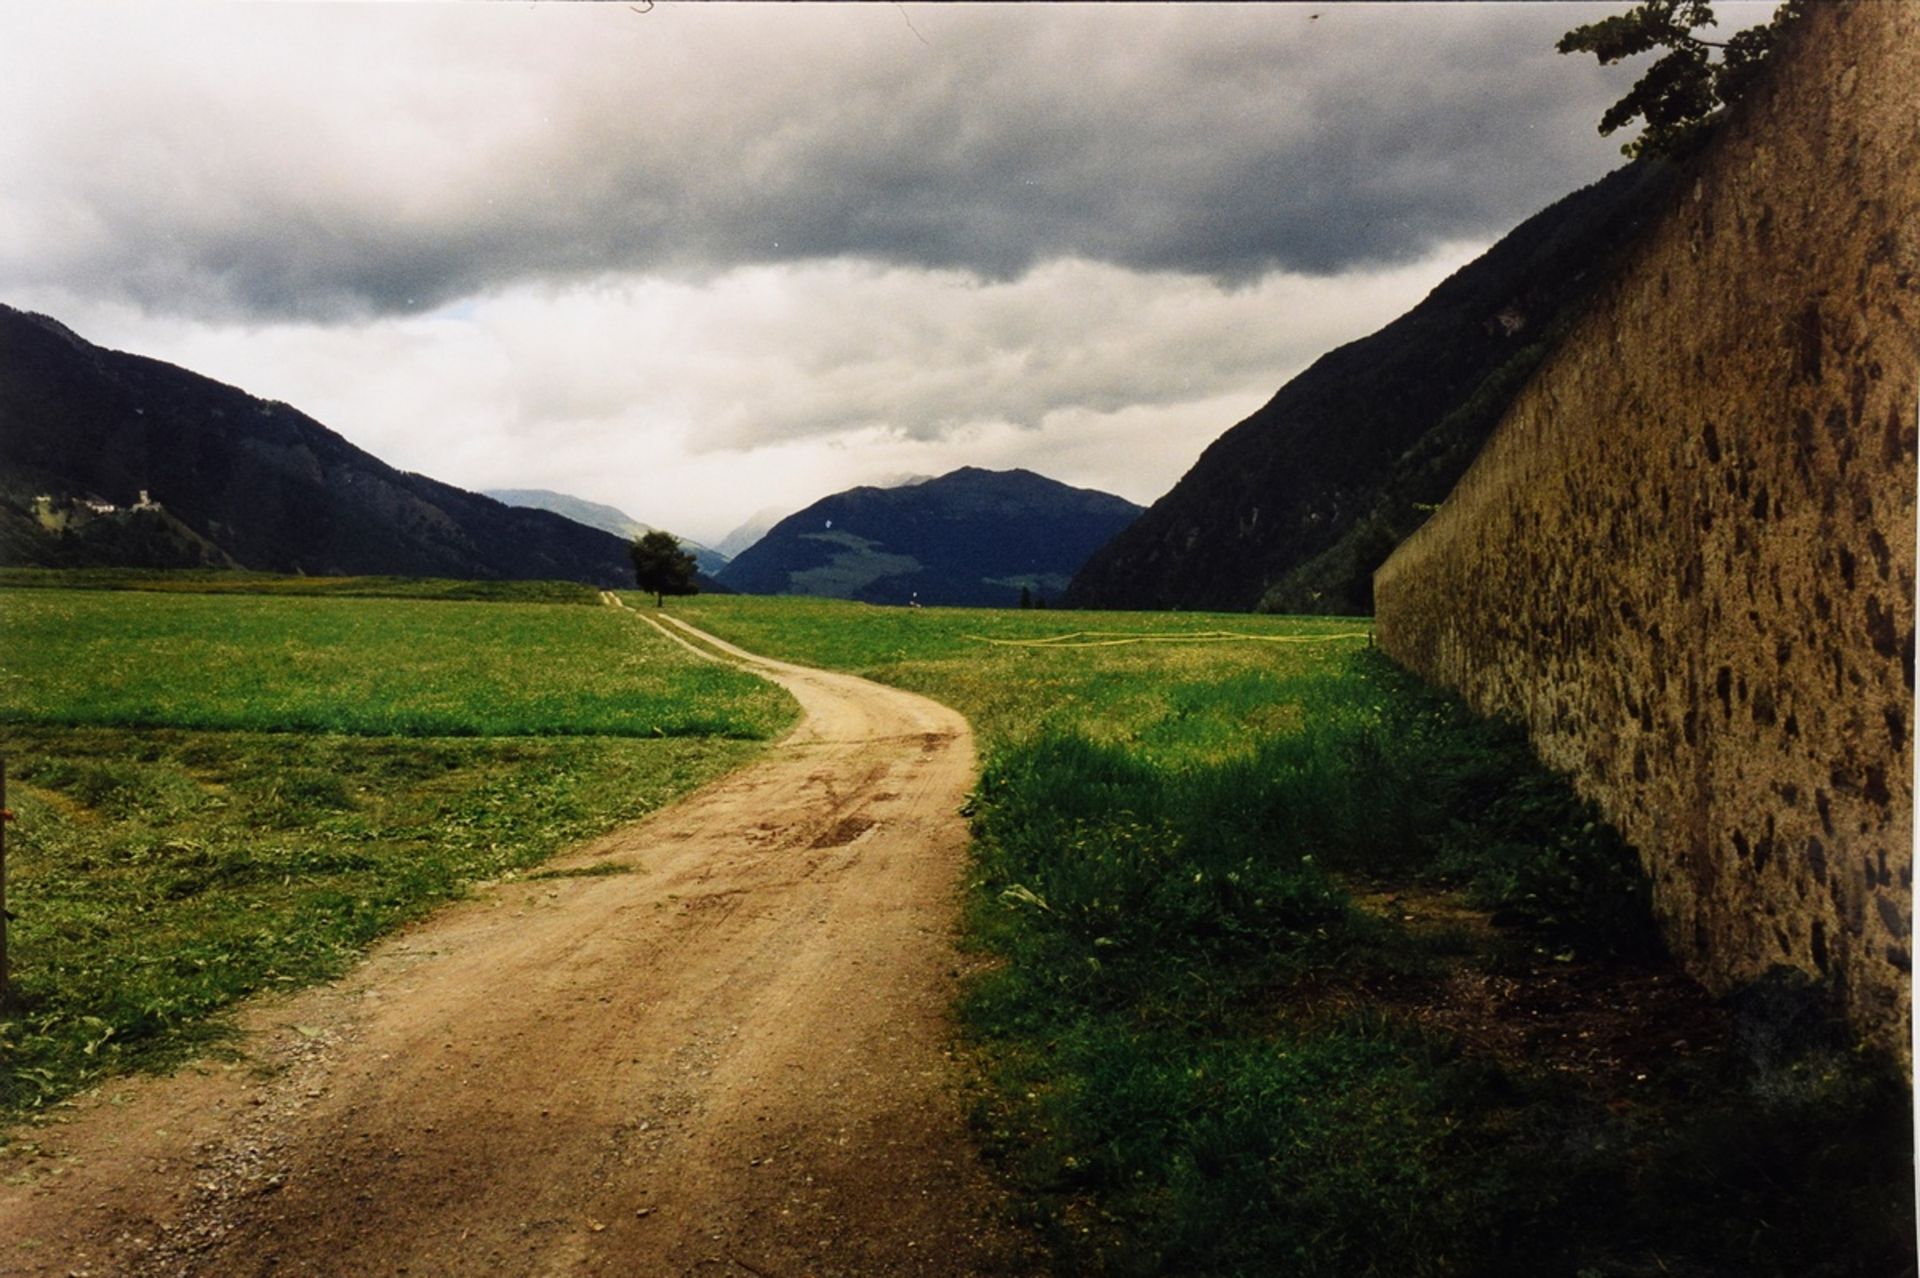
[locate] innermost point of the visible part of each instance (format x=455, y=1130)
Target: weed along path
x=710, y=1043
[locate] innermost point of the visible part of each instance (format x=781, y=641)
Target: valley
x=1207, y=866
x=1449, y=816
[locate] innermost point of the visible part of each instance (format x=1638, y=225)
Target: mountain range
x=112, y=458
x=752, y=529
x=971, y=537
x=108, y=458
x=606, y=518
x=1293, y=509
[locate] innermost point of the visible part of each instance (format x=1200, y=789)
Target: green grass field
x=1232, y=876
x=361, y=665
x=1172, y=685
x=220, y=793
x=1234, y=889
x=195, y=581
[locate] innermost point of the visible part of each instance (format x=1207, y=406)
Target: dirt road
x=729, y=1060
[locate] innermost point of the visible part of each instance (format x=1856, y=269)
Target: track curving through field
x=725, y=1050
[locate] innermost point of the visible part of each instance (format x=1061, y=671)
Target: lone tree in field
x=1685, y=88
x=659, y=565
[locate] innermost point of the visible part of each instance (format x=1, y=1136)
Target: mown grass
x=1200, y=1056
x=382, y=667
x=231, y=582
x=159, y=875
x=223, y=794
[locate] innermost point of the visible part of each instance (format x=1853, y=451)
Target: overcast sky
x=710, y=259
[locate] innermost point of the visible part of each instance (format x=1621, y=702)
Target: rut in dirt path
x=729, y=1059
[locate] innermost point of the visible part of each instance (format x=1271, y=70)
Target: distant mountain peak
x=51, y=324
x=972, y=536
x=606, y=518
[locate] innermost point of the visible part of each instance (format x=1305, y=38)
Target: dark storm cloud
x=275, y=163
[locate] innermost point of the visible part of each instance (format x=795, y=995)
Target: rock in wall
x=1685, y=559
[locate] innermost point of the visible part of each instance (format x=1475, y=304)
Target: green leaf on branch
x=1683, y=92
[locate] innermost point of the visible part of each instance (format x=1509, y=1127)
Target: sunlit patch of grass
x=1168, y=698
x=381, y=667
x=226, y=582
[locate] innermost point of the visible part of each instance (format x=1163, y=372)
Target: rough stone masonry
x=1686, y=557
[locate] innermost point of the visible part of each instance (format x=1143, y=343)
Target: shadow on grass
x=1384, y=997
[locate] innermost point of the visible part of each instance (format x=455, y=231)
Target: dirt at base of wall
x=1686, y=557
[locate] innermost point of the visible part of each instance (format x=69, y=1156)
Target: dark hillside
x=1294, y=507
x=239, y=480
x=972, y=537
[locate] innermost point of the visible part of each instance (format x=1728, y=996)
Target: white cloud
x=334, y=161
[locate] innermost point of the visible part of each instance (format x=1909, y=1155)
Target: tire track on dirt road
x=731, y=1056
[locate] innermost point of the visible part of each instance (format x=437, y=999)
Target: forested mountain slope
x=237, y=481
x=974, y=536
x=1292, y=509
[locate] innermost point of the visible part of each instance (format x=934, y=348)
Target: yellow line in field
x=1113, y=639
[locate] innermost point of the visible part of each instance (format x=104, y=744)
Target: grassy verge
x=1295, y=967
x=215, y=798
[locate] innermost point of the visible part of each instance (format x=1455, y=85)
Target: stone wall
x=1686, y=557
